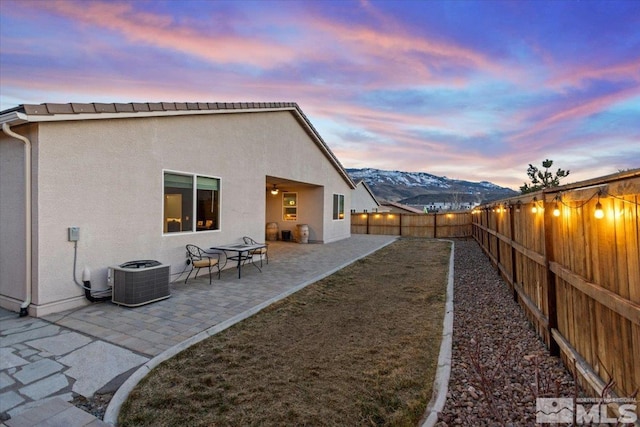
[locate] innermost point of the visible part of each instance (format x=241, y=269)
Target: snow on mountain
x=421, y=187
x=411, y=179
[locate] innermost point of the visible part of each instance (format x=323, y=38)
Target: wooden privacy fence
x=571, y=256
x=440, y=225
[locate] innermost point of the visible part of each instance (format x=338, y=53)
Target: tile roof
x=134, y=107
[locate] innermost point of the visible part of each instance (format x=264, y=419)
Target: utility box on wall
x=140, y=282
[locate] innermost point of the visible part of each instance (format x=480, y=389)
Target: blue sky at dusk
x=471, y=90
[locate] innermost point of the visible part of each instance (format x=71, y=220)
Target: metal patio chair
x=200, y=259
x=262, y=251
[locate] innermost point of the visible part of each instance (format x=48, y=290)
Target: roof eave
x=13, y=117
x=323, y=146
x=23, y=117
x=366, y=187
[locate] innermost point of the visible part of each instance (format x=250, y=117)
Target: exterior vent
x=139, y=282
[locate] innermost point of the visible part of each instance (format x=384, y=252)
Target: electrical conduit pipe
x=24, y=307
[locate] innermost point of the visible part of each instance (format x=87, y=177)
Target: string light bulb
x=599, y=213
x=534, y=208
x=556, y=207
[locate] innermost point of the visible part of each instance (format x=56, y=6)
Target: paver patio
x=196, y=306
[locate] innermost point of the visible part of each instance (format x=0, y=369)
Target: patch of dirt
x=359, y=347
x=95, y=405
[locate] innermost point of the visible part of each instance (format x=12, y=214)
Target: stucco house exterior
x=142, y=180
x=363, y=200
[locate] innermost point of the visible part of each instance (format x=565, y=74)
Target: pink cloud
x=577, y=76
x=375, y=118
x=380, y=57
x=363, y=52
x=162, y=31
x=405, y=57
x=576, y=112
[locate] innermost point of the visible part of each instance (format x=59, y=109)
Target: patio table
x=243, y=251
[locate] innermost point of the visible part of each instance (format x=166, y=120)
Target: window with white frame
x=191, y=203
x=338, y=206
x=290, y=206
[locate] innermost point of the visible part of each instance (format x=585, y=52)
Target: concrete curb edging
x=121, y=395
x=441, y=381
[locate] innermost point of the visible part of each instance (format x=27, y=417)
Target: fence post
x=547, y=224
x=367, y=224
x=514, y=275
x=435, y=220
x=498, y=219
x=486, y=234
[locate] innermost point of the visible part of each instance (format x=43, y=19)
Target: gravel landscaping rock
x=499, y=365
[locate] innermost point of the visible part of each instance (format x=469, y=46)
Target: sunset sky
x=471, y=90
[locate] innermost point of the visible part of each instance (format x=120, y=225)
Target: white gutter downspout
x=24, y=307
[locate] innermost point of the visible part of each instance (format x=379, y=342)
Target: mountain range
x=421, y=188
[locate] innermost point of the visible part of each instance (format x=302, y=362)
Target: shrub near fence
x=440, y=225
x=576, y=276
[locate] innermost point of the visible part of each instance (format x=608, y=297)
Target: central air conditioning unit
x=139, y=282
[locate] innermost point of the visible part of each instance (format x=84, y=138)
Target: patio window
x=191, y=203
x=338, y=206
x=290, y=206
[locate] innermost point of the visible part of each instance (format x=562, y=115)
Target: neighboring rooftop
x=400, y=206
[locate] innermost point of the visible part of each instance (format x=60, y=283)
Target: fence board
x=590, y=267
x=441, y=225
x=577, y=278
x=609, y=299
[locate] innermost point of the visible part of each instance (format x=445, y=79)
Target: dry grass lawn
x=359, y=347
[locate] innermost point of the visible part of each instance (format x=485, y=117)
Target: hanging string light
x=599, y=213
x=560, y=206
x=556, y=208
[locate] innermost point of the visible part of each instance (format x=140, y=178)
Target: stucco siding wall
x=335, y=229
x=106, y=177
x=12, y=220
x=362, y=200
